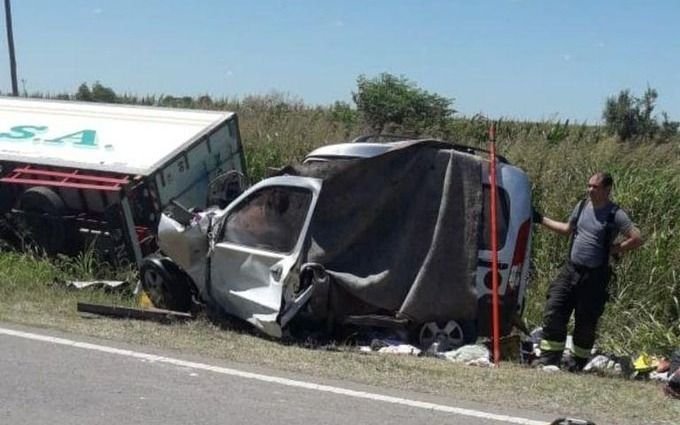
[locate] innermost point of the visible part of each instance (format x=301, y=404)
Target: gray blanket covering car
x=398, y=233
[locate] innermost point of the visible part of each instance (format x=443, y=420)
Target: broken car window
x=270, y=219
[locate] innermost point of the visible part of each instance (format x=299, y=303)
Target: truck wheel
x=165, y=287
x=44, y=209
x=6, y=200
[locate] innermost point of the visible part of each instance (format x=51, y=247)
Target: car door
x=257, y=249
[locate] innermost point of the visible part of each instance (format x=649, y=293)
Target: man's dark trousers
x=577, y=289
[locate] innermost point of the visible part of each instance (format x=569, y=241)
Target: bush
x=631, y=117
x=392, y=103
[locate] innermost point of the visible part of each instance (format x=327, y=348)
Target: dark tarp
x=398, y=233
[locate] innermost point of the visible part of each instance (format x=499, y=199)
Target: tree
x=668, y=128
x=388, y=100
x=101, y=93
x=84, y=94
x=629, y=117
x=205, y=101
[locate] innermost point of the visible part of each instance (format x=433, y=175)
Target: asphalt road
x=49, y=378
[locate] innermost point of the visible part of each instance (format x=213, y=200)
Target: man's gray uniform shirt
x=589, y=242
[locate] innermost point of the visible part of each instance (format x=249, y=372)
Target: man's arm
x=558, y=227
x=633, y=239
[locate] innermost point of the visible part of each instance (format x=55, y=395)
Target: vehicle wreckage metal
x=390, y=235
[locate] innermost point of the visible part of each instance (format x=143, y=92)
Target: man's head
x=599, y=187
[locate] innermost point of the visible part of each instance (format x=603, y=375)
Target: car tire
x=449, y=335
x=43, y=221
x=165, y=285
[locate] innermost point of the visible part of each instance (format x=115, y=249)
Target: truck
x=77, y=175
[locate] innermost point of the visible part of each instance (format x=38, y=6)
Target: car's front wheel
x=166, y=286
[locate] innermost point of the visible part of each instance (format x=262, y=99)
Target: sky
x=512, y=59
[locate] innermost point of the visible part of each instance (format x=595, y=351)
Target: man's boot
x=548, y=358
x=575, y=364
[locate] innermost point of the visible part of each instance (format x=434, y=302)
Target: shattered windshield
x=270, y=219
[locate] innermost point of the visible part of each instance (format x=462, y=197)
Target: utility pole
x=10, y=42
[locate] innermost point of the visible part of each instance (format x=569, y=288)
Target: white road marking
x=273, y=379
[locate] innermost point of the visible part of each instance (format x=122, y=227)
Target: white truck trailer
x=86, y=175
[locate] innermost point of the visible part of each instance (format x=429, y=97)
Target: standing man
x=581, y=285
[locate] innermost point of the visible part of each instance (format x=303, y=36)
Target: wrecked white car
x=390, y=234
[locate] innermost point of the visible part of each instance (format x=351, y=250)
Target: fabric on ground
x=467, y=353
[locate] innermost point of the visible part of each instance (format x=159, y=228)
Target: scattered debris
x=550, y=368
x=660, y=376
x=473, y=355
x=467, y=353
x=110, y=284
x=645, y=363
x=158, y=315
x=390, y=346
x=571, y=421
x=609, y=365
x=400, y=349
